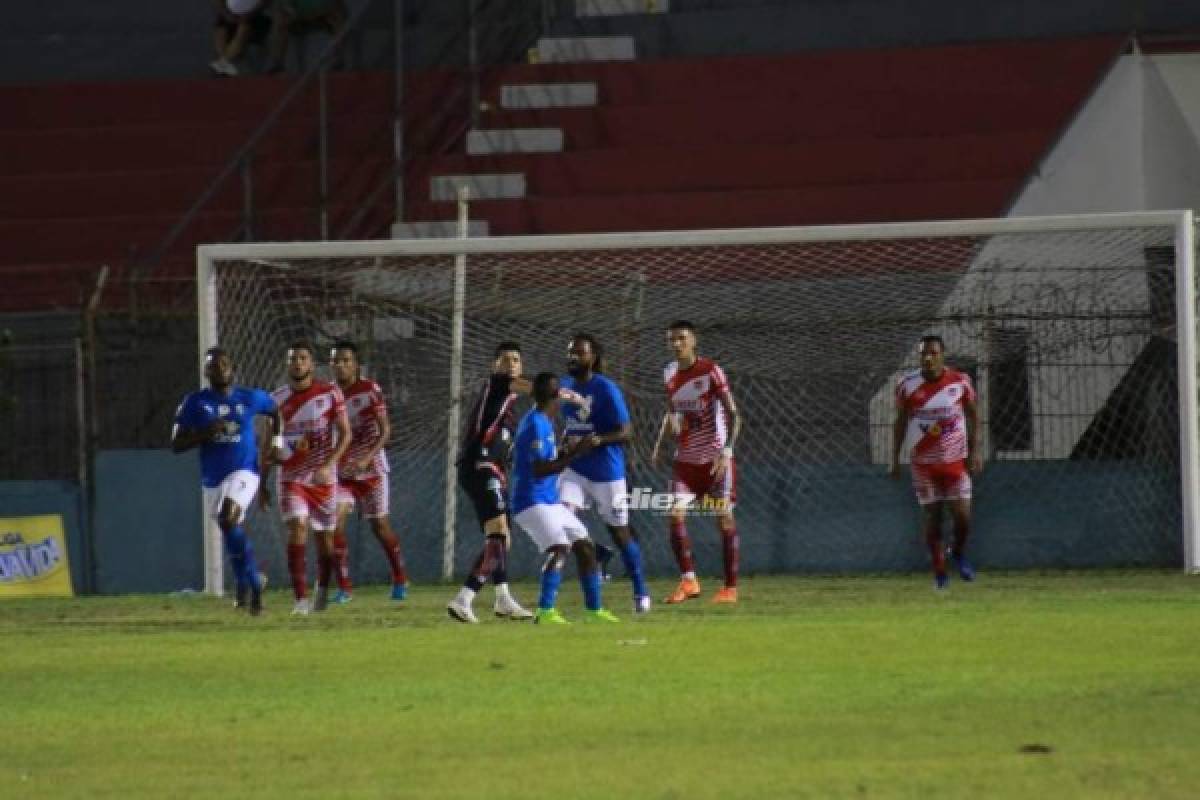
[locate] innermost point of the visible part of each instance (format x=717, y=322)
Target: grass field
x=1022, y=685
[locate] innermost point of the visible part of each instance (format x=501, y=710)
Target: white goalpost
x=1079, y=331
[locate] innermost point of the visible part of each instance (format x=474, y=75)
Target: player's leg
x=612, y=504
x=960, y=514
x=681, y=544
x=323, y=520
x=559, y=516
x=550, y=538
x=293, y=507
x=722, y=494
x=341, y=546
x=931, y=529
x=376, y=509
x=486, y=490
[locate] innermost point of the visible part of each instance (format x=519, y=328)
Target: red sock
x=682, y=546
x=341, y=561
x=298, y=570
x=937, y=553
x=730, y=545
x=391, y=550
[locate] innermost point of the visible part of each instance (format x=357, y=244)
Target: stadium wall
x=34, y=498
x=77, y=40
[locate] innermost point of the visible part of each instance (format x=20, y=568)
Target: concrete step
x=618, y=8
x=514, y=140
x=438, y=229
x=547, y=95
x=574, y=49
x=504, y=185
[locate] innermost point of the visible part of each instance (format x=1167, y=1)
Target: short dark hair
x=214, y=352
x=597, y=350
x=681, y=325
x=344, y=344
x=303, y=344
x=505, y=347
x=545, y=387
x=930, y=338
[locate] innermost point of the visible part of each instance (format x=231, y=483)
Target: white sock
x=689, y=576
x=502, y=592
x=465, y=596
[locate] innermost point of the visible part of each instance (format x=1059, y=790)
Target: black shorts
x=487, y=486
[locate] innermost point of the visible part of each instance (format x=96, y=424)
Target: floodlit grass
x=1022, y=685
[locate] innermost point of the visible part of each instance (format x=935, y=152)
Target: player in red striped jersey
x=704, y=419
x=316, y=433
x=363, y=470
x=936, y=410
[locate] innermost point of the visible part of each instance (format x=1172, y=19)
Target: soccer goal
x=1079, y=333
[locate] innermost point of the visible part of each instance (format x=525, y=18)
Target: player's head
x=933, y=355
x=681, y=338
x=507, y=360
x=301, y=359
x=584, y=355
x=545, y=390
x=218, y=368
x=343, y=361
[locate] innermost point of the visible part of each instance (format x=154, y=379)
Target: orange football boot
x=688, y=589
x=727, y=594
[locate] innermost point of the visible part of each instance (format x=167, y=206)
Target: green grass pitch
x=1021, y=685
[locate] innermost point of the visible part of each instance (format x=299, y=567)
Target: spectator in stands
x=298, y=17
x=237, y=24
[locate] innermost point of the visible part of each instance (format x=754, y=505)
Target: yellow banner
x=33, y=557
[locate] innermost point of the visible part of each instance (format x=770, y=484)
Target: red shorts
x=697, y=480
x=371, y=492
x=309, y=501
x=934, y=483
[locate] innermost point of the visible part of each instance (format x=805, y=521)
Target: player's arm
x=185, y=436
x=385, y=433
x=341, y=424
x=666, y=425
x=733, y=420
x=899, y=429
x=543, y=468
x=974, y=454
x=522, y=385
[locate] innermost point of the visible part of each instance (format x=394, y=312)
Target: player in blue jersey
x=598, y=478
x=220, y=421
x=537, y=510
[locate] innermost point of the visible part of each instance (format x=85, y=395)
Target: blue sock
x=591, y=590
x=235, y=545
x=551, y=580
x=631, y=556
x=249, y=564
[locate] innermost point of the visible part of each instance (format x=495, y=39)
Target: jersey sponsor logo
x=209, y=408
x=241, y=410
x=223, y=410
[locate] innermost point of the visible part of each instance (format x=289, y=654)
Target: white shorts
x=240, y=486
x=550, y=525
x=611, y=497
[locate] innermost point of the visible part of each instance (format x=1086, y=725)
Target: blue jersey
x=237, y=447
x=534, y=442
x=604, y=412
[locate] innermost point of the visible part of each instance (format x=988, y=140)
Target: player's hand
x=301, y=445
x=583, y=446
x=362, y=465
x=214, y=429
x=975, y=463
x=323, y=475
x=571, y=396
x=894, y=470
x=595, y=441
x=719, y=466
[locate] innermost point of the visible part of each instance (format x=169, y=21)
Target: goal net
x=1068, y=327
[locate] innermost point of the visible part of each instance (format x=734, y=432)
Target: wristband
x=727, y=452
x=277, y=442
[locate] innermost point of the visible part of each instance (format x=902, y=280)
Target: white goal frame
x=463, y=249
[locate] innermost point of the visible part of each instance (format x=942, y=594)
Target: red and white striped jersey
x=694, y=395
x=365, y=407
x=936, y=422
x=310, y=414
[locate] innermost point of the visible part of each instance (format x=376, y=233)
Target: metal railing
x=492, y=34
